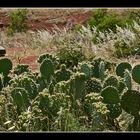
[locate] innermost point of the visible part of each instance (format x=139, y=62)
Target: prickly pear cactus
x=100, y=66
x=50, y=104
x=127, y=79
x=54, y=59
x=95, y=69
x=130, y=102
x=47, y=69
x=62, y=87
x=110, y=95
x=86, y=69
x=5, y=66
x=21, y=68
x=41, y=84
x=26, y=83
x=115, y=110
x=111, y=80
x=120, y=69
x=63, y=74
x=136, y=74
x=94, y=107
x=77, y=85
x=93, y=85
x=20, y=98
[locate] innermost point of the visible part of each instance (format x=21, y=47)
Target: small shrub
x=105, y=21
x=18, y=21
x=70, y=56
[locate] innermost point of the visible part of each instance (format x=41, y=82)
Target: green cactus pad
x=136, y=74
x=20, y=97
x=93, y=85
x=115, y=110
x=111, y=81
x=5, y=66
x=120, y=69
x=77, y=85
x=86, y=69
x=130, y=102
x=110, y=95
x=47, y=69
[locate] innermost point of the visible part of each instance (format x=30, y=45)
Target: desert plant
x=47, y=69
x=5, y=66
x=77, y=85
x=70, y=55
x=18, y=21
x=21, y=68
x=121, y=67
x=111, y=80
x=135, y=74
x=20, y=98
x=130, y=102
x=110, y=95
x=63, y=74
x=93, y=85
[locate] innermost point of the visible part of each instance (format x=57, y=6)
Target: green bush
x=70, y=55
x=18, y=21
x=105, y=21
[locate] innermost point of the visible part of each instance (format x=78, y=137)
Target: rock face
x=2, y=51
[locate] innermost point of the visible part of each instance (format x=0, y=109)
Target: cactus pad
x=110, y=95
x=115, y=110
x=130, y=102
x=93, y=85
x=5, y=66
x=120, y=69
x=111, y=81
x=136, y=74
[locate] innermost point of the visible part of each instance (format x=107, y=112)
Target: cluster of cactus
x=92, y=86
x=51, y=104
